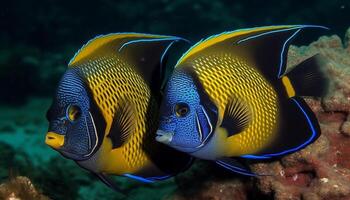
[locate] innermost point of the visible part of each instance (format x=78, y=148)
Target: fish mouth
x=164, y=136
x=54, y=140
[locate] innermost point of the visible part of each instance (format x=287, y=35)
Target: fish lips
x=166, y=137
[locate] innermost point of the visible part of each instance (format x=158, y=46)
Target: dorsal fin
x=264, y=47
x=145, y=52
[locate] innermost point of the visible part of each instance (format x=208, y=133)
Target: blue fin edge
x=288, y=29
x=236, y=169
x=138, y=178
x=286, y=43
x=171, y=38
x=118, y=33
x=164, y=53
x=148, y=179
x=313, y=130
x=246, y=29
x=159, y=178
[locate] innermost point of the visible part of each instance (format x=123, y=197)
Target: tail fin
x=307, y=79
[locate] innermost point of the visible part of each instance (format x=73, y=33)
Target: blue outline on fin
x=120, y=33
x=298, y=27
x=149, y=40
x=236, y=169
x=183, y=55
x=138, y=178
x=255, y=157
x=283, y=47
x=295, y=148
x=247, y=29
x=164, y=53
x=159, y=178
x=282, y=55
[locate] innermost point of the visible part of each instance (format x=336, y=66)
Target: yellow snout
x=54, y=140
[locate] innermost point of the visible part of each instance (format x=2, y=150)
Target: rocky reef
x=320, y=171
x=20, y=188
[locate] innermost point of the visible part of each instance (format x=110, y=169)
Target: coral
x=321, y=170
x=206, y=180
x=219, y=190
x=20, y=188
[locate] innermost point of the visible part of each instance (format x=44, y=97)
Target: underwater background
x=38, y=38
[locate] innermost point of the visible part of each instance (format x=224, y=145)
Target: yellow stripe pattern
x=228, y=35
x=288, y=86
x=97, y=43
x=224, y=76
x=111, y=80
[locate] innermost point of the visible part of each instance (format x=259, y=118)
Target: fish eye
x=73, y=112
x=181, y=109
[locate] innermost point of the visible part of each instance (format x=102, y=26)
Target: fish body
x=229, y=96
x=105, y=112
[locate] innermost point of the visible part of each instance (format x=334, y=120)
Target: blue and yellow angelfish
x=230, y=96
x=104, y=115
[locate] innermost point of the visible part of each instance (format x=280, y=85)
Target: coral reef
x=320, y=171
x=205, y=180
x=20, y=188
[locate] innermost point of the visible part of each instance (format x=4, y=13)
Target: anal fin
x=139, y=178
x=235, y=166
x=298, y=128
x=109, y=182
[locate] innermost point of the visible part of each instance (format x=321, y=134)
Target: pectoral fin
x=236, y=117
x=123, y=124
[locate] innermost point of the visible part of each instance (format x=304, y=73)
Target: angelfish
x=105, y=111
x=231, y=97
